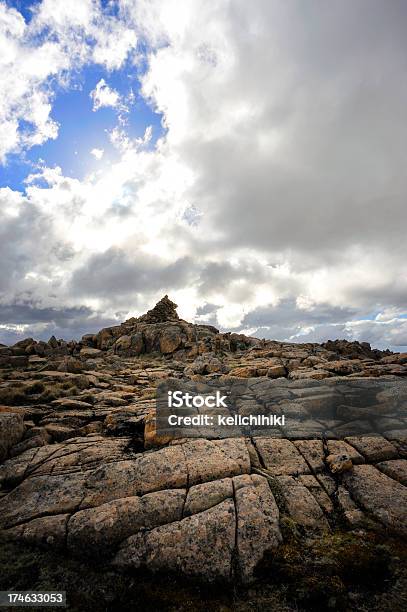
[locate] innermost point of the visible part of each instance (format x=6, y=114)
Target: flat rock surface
x=380, y=495
x=281, y=457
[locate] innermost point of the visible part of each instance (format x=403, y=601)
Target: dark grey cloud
x=17, y=235
x=43, y=322
x=117, y=272
x=28, y=312
x=217, y=275
x=326, y=82
x=206, y=309
x=287, y=313
x=28, y=244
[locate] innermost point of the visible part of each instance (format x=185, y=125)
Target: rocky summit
x=84, y=470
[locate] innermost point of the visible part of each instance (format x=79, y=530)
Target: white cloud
x=103, y=96
x=122, y=142
x=23, y=71
x=97, y=153
x=113, y=46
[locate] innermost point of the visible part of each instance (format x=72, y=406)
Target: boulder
x=340, y=447
x=276, y=371
x=70, y=364
x=396, y=469
x=48, y=531
x=61, y=432
x=151, y=437
x=313, y=452
x=130, y=346
x=374, y=448
x=14, y=361
x=170, y=340
x=257, y=528
x=208, y=494
x=206, y=364
x=53, y=342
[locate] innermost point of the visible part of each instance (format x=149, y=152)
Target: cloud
x=24, y=70
x=115, y=272
x=292, y=153
x=123, y=143
x=97, y=153
x=33, y=320
x=113, y=45
x=45, y=54
x=103, y=96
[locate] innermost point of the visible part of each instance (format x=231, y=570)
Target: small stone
x=339, y=463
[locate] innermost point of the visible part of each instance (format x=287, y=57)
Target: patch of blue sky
x=25, y=7
x=373, y=316
x=81, y=129
x=369, y=317
x=110, y=7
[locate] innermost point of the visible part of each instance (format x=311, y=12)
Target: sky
x=247, y=158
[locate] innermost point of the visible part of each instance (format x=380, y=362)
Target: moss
x=290, y=530
x=99, y=588
x=320, y=572
x=299, y=577
x=358, y=561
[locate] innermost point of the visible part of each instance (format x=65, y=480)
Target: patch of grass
x=36, y=393
x=35, y=388
x=13, y=396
